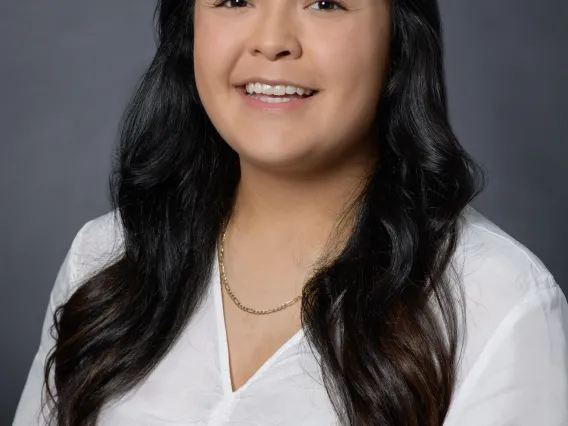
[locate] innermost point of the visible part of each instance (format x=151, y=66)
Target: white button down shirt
x=513, y=372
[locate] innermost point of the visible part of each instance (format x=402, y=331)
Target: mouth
x=278, y=93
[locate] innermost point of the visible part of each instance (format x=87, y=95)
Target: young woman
x=292, y=243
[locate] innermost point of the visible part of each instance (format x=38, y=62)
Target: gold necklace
x=230, y=292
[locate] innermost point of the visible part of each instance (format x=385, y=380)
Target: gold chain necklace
x=232, y=295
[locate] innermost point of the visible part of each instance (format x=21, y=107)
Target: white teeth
x=267, y=90
x=277, y=90
x=272, y=99
x=290, y=90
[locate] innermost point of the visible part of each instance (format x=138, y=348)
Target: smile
x=277, y=90
x=275, y=96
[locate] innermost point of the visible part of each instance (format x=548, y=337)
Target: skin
x=299, y=168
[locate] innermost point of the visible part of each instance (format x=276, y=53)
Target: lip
x=273, y=107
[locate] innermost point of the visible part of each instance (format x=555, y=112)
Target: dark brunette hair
x=389, y=295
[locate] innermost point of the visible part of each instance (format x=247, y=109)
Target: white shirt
x=514, y=369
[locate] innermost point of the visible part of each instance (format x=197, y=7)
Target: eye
x=232, y=4
x=327, y=5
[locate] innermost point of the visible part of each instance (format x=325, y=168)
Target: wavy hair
x=389, y=295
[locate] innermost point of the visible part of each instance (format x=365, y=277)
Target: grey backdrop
x=69, y=67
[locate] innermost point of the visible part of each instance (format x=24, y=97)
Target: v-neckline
x=223, y=346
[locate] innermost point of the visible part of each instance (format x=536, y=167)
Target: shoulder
x=515, y=334
x=487, y=257
x=499, y=275
x=96, y=244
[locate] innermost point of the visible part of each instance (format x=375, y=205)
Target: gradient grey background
x=69, y=67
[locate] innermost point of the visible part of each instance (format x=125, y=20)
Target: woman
x=291, y=242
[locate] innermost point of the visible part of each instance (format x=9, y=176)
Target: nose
x=275, y=36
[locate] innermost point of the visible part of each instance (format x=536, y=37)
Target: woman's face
x=337, y=50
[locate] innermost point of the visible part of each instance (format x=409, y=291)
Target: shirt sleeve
x=29, y=411
x=521, y=377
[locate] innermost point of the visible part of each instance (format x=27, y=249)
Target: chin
x=275, y=158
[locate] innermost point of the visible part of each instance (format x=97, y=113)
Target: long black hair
x=389, y=294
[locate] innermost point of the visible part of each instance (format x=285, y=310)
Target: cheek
x=355, y=57
x=212, y=52
x=353, y=62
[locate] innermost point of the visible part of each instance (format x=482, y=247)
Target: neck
x=299, y=214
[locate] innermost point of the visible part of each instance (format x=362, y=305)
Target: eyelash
x=340, y=5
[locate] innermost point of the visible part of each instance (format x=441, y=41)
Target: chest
x=192, y=385
x=254, y=341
